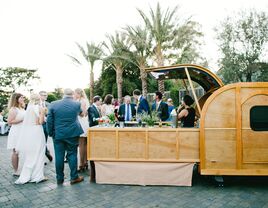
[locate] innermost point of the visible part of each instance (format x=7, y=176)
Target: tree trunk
x=143, y=75
x=91, y=89
x=161, y=86
x=160, y=62
x=248, y=77
x=119, y=81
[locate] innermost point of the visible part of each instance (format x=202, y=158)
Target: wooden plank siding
x=228, y=146
x=143, y=144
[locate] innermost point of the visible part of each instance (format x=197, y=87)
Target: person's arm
x=83, y=108
x=153, y=106
x=103, y=109
x=12, y=117
x=146, y=106
x=120, y=110
x=89, y=116
x=182, y=114
x=50, y=122
x=134, y=111
x=42, y=113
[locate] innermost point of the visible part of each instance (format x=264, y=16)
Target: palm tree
x=141, y=40
x=91, y=54
x=119, y=55
x=161, y=25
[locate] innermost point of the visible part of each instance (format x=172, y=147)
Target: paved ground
x=238, y=191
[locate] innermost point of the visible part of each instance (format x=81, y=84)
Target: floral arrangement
x=150, y=119
x=105, y=120
x=111, y=118
x=102, y=120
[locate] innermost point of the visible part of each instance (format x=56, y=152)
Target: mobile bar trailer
x=232, y=138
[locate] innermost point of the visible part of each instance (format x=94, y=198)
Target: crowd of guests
x=67, y=122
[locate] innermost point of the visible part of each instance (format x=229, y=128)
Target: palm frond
x=75, y=60
x=82, y=50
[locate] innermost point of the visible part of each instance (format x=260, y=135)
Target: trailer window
x=259, y=118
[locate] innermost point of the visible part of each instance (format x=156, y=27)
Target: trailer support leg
x=219, y=181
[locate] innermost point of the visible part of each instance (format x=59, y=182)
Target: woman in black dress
x=186, y=113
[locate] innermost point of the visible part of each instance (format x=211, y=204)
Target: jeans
x=61, y=146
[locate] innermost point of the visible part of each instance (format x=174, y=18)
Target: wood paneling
x=144, y=144
x=220, y=149
x=188, y=141
x=221, y=112
x=132, y=145
x=97, y=139
x=228, y=146
x=162, y=145
x=255, y=146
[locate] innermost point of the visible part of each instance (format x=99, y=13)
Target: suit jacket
x=143, y=106
x=62, y=119
x=93, y=114
x=122, y=110
x=162, y=110
x=47, y=104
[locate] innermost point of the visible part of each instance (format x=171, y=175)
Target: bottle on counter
x=174, y=118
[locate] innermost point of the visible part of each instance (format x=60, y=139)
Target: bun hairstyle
x=188, y=100
x=35, y=99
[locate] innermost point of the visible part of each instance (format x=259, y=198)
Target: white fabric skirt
x=31, y=147
x=85, y=125
x=13, y=136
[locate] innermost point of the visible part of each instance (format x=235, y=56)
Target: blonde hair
x=83, y=96
x=81, y=92
x=14, y=100
x=35, y=99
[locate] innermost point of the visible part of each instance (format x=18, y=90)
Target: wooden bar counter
x=136, y=144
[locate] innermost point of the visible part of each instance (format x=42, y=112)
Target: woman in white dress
x=32, y=143
x=81, y=97
x=16, y=113
x=107, y=108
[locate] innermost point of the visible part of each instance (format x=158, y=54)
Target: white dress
x=31, y=147
x=15, y=129
x=83, y=120
x=107, y=109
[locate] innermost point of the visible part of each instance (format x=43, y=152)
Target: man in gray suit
x=63, y=126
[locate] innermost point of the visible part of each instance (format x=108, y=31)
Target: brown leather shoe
x=78, y=180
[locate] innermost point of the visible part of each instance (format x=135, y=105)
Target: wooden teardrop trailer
x=232, y=138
